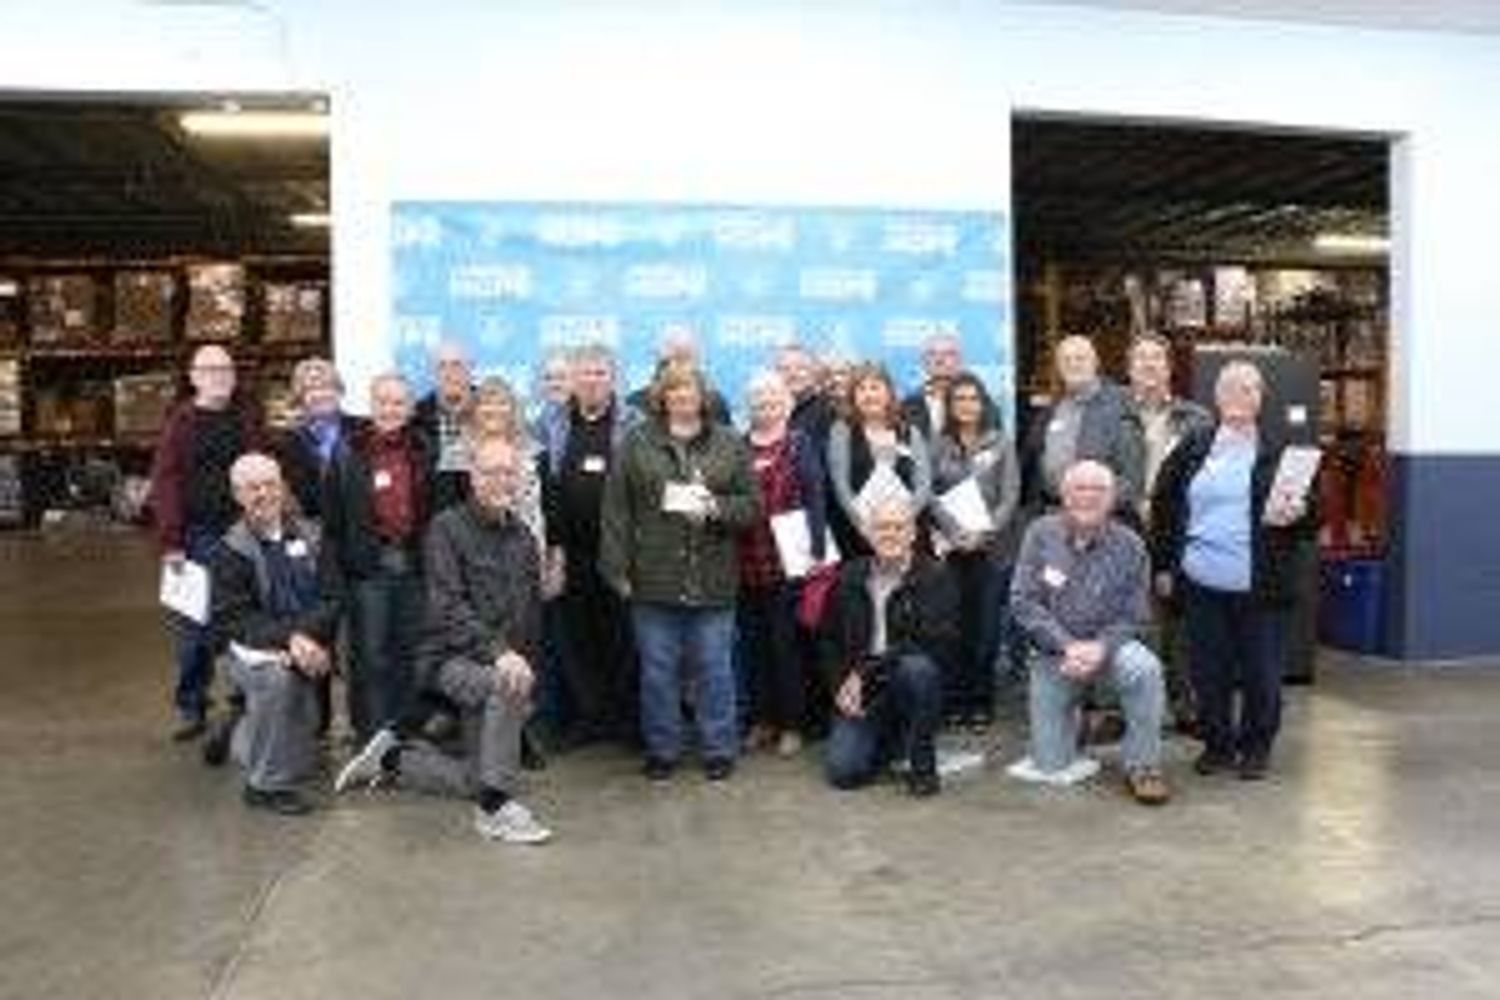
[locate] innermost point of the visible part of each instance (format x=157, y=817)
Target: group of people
x=493, y=583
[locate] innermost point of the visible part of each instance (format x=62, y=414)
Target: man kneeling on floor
x=483, y=635
x=1079, y=597
x=276, y=613
x=893, y=623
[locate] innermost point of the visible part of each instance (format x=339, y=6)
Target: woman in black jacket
x=1223, y=544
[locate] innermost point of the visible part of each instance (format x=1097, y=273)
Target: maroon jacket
x=170, y=467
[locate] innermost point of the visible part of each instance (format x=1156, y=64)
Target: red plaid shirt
x=775, y=468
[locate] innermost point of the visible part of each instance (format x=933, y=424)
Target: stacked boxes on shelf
x=293, y=312
x=76, y=411
x=141, y=403
x=10, y=311
x=12, y=498
x=144, y=303
x=216, y=301
x=10, y=397
x=62, y=308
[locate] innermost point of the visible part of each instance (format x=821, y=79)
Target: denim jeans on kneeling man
x=901, y=717
x=1136, y=675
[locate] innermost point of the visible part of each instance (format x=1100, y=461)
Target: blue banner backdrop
x=512, y=280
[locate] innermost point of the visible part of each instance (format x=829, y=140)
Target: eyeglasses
x=214, y=369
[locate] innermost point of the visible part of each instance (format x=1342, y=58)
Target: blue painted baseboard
x=1443, y=572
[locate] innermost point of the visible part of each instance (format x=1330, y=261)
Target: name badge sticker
x=594, y=464
x=296, y=548
x=1054, y=577
x=382, y=480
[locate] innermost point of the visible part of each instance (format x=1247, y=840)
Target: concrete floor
x=1365, y=868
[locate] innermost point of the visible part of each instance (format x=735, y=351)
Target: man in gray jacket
x=483, y=642
x=277, y=614
x=1091, y=419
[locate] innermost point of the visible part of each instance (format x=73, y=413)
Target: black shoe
x=1253, y=767
x=718, y=768
x=216, y=745
x=923, y=784
x=283, y=801
x=189, y=729
x=658, y=769
x=1209, y=763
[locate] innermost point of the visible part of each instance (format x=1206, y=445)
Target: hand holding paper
x=794, y=544
x=1294, y=478
x=184, y=589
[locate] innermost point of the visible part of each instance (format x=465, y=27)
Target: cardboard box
x=141, y=403
x=216, y=302
x=62, y=308
x=81, y=414
x=293, y=311
x=12, y=499
x=144, y=302
x=10, y=311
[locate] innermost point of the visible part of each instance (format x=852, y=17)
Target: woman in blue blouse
x=1223, y=544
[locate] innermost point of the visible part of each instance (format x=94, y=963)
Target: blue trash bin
x=1351, y=613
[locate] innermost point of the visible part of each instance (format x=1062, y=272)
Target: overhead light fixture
x=255, y=124
x=311, y=220
x=1352, y=244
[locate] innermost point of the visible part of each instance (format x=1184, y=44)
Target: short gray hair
x=767, y=380
x=250, y=466
x=1241, y=372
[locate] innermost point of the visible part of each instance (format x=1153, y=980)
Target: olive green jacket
x=647, y=554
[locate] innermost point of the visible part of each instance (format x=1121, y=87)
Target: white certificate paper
x=883, y=485
x=184, y=589
x=684, y=498
x=1296, y=470
x=794, y=544
x=251, y=657
x=965, y=504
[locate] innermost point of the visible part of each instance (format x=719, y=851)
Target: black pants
x=983, y=591
x=769, y=657
x=599, y=656
x=1235, y=643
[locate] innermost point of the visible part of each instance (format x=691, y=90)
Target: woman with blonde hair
x=495, y=412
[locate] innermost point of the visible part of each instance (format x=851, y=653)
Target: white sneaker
x=952, y=763
x=512, y=823
x=364, y=767
x=1080, y=770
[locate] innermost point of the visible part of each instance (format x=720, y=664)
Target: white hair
x=251, y=466
x=767, y=380
x=1086, y=468
x=1242, y=373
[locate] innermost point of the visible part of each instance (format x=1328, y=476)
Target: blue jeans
x=1135, y=673
x=902, y=715
x=667, y=636
x=195, y=651
x=386, y=616
x=1235, y=642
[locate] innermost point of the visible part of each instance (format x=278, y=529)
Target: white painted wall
x=840, y=102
